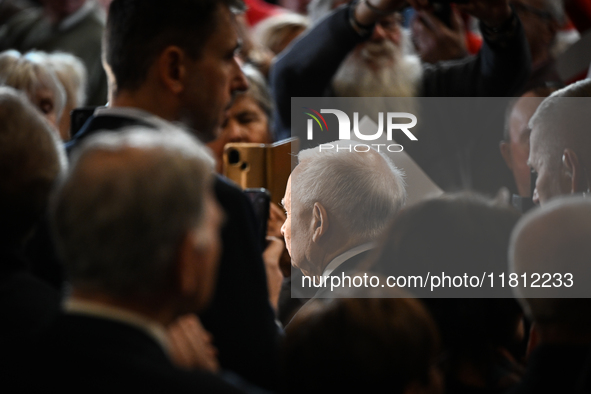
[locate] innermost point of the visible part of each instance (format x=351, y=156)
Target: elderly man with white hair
x=138, y=228
x=551, y=244
x=560, y=143
x=337, y=202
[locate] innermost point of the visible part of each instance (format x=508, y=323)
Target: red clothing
x=259, y=10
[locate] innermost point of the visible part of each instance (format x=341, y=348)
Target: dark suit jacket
x=239, y=317
x=84, y=353
x=28, y=305
x=348, y=267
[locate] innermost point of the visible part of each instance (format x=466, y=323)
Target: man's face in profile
x=213, y=78
x=298, y=239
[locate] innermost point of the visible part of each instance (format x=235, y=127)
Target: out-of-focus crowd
x=128, y=261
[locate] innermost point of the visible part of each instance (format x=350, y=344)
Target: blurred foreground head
x=135, y=219
x=362, y=345
x=31, y=159
x=553, y=242
x=458, y=234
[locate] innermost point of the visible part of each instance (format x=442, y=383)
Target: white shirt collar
x=155, y=330
x=340, y=259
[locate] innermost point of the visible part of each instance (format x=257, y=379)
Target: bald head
x=560, y=142
x=554, y=241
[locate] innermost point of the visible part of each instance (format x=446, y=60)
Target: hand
x=191, y=345
x=271, y=257
x=434, y=41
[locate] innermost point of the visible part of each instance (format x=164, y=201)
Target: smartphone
x=267, y=166
x=261, y=201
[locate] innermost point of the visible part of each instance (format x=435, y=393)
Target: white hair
x=554, y=239
x=72, y=73
x=364, y=189
x=29, y=73
x=561, y=121
x=355, y=78
x=129, y=199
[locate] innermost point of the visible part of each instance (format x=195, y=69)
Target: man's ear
x=319, y=222
x=506, y=153
x=574, y=169
x=172, y=69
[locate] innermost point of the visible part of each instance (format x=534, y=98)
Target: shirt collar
x=340, y=259
x=153, y=329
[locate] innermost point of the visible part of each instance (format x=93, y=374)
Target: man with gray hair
x=31, y=160
x=337, y=202
x=549, y=256
x=560, y=143
x=137, y=225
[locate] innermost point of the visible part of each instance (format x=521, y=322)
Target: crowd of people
x=129, y=262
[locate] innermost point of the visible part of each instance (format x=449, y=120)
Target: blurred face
x=44, y=100
x=245, y=121
x=213, y=78
x=379, y=67
x=384, y=47
x=518, y=144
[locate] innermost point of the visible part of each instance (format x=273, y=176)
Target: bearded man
x=360, y=50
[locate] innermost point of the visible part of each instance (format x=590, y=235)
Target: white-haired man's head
x=551, y=244
x=336, y=200
x=560, y=142
x=135, y=219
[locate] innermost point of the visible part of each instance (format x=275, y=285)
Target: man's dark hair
x=138, y=30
